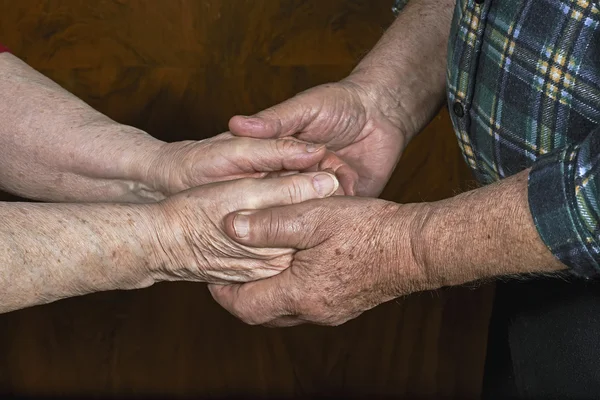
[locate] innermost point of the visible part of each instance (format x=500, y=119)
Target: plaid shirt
x=524, y=90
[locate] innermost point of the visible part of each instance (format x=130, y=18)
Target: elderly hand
x=364, y=129
x=354, y=254
x=182, y=165
x=54, y=147
x=190, y=241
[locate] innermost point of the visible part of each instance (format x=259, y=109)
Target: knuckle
x=296, y=188
x=273, y=226
x=273, y=117
x=270, y=114
x=284, y=146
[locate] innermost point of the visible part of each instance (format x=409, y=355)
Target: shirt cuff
x=553, y=205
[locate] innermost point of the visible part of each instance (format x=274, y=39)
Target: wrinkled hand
x=182, y=165
x=354, y=253
x=190, y=242
x=348, y=118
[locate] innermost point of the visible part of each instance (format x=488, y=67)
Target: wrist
x=430, y=230
x=175, y=243
x=123, y=157
x=408, y=64
x=126, y=232
x=391, y=95
x=132, y=152
x=145, y=222
x=482, y=234
x=406, y=263
x=115, y=254
x=444, y=236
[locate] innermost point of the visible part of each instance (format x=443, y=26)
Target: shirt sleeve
x=564, y=200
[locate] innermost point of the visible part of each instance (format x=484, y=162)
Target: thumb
x=285, y=119
x=296, y=226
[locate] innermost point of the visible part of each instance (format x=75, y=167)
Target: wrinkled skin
x=191, y=243
x=183, y=165
x=353, y=254
x=346, y=118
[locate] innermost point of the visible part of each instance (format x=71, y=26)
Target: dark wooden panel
x=180, y=69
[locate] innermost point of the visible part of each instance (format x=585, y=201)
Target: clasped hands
x=294, y=246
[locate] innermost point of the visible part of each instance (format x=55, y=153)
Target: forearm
x=53, y=251
x=406, y=70
x=55, y=147
x=484, y=233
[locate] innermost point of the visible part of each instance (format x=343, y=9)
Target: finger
x=297, y=227
x=259, y=155
x=346, y=175
x=340, y=191
x=348, y=179
x=248, y=270
x=279, y=174
x=285, y=119
x=260, y=302
x=251, y=194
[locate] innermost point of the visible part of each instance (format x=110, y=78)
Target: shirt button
x=458, y=109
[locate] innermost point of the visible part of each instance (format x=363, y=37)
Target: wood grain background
x=180, y=69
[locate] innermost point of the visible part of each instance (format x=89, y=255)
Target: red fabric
x=3, y=49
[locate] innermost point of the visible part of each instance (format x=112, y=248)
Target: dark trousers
x=544, y=341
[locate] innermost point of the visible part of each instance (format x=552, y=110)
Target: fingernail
x=325, y=184
x=241, y=225
x=313, y=148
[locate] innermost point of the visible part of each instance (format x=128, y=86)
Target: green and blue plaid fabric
x=524, y=90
